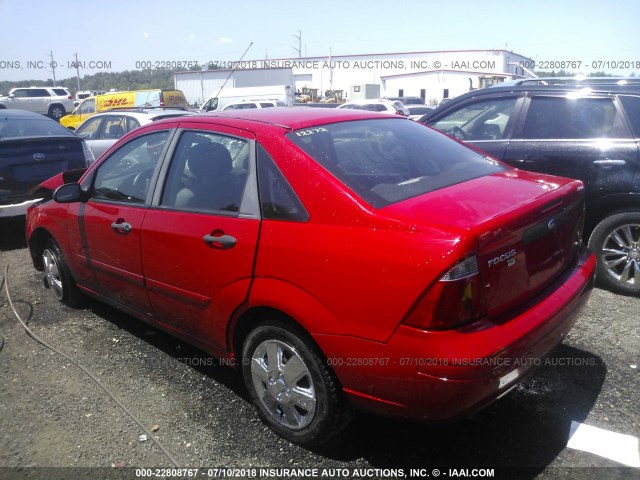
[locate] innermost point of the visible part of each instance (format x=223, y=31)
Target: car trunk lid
x=26, y=162
x=527, y=226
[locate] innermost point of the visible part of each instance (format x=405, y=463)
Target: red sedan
x=339, y=258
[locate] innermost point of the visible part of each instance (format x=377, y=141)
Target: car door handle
x=610, y=163
x=121, y=227
x=220, y=241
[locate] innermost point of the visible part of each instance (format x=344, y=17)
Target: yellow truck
x=154, y=98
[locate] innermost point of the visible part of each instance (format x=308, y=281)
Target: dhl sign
x=116, y=102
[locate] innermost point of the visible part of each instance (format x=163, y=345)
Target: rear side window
x=203, y=176
x=632, y=109
x=38, y=92
x=482, y=120
x=575, y=118
x=277, y=199
x=387, y=161
x=60, y=91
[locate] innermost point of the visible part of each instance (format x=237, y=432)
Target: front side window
x=574, y=118
x=20, y=93
x=482, y=120
x=211, y=104
x=88, y=106
x=125, y=176
x=207, y=173
x=387, y=161
x=114, y=127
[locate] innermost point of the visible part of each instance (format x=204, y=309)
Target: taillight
x=456, y=298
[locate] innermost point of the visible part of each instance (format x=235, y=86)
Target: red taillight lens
x=453, y=300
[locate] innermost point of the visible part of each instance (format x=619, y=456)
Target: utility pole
x=77, y=71
x=53, y=66
x=299, y=47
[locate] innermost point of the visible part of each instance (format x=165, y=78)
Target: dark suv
x=585, y=131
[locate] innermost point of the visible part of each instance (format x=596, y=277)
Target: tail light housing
x=453, y=300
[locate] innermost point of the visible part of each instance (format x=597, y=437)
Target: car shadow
x=522, y=432
x=13, y=233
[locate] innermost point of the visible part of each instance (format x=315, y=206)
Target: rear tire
x=293, y=389
x=56, y=112
x=58, y=278
x=616, y=243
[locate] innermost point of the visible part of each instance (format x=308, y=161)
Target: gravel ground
x=53, y=415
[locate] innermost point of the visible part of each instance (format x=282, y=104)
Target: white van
x=279, y=93
x=254, y=104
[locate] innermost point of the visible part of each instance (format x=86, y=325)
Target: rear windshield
x=12, y=127
x=389, y=160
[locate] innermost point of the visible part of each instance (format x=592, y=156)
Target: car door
x=199, y=240
x=577, y=137
x=486, y=122
x=110, y=223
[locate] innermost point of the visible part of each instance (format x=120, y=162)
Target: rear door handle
x=219, y=241
x=610, y=163
x=121, y=227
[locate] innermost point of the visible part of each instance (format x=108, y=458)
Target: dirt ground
x=53, y=415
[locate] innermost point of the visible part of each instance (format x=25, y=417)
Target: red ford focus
x=339, y=258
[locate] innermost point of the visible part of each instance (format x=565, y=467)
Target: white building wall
x=342, y=71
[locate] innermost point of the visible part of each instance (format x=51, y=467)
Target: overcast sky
x=121, y=34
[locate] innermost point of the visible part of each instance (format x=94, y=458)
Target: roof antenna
x=233, y=69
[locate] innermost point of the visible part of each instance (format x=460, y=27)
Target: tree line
x=122, y=81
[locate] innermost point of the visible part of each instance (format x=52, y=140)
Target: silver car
x=104, y=129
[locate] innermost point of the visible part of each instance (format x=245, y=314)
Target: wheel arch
x=279, y=300
x=37, y=243
x=608, y=206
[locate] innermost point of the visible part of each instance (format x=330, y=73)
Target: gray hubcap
x=52, y=273
x=283, y=384
x=621, y=254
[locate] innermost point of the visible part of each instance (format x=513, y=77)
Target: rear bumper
x=16, y=209
x=439, y=376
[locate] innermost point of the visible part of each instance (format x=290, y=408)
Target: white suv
x=54, y=102
x=378, y=105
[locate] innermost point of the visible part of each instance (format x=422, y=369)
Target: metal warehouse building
x=200, y=85
x=432, y=75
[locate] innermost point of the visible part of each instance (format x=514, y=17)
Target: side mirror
x=69, y=193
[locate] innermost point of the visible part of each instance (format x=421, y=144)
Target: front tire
x=616, y=242
x=58, y=278
x=294, y=391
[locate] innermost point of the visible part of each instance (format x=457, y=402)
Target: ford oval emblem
x=552, y=224
x=38, y=157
